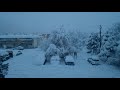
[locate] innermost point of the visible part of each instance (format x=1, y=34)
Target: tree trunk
x=62, y=61
x=100, y=37
x=47, y=60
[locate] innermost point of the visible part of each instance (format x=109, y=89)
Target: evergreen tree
x=93, y=43
x=110, y=50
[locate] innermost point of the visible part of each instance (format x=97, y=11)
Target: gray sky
x=47, y=21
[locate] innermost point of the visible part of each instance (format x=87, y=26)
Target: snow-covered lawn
x=30, y=65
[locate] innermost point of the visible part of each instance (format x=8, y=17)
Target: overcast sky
x=48, y=21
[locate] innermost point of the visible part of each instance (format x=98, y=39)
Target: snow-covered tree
x=77, y=39
x=110, y=50
x=51, y=51
x=59, y=38
x=71, y=41
x=93, y=43
x=44, y=44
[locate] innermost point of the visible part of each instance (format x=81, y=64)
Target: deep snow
x=30, y=65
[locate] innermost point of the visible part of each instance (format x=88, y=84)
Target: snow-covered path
x=29, y=65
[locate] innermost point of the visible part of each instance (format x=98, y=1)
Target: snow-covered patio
x=30, y=65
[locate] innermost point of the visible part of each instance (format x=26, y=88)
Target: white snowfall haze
x=45, y=22
x=60, y=44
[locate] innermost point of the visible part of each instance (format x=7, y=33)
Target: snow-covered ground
x=30, y=65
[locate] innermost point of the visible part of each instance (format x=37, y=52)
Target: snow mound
x=39, y=60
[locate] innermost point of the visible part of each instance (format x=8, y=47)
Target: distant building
x=26, y=41
x=45, y=36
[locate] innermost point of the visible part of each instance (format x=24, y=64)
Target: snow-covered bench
x=69, y=60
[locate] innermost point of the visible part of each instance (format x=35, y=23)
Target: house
x=26, y=41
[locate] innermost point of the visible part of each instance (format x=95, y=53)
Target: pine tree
x=110, y=50
x=93, y=43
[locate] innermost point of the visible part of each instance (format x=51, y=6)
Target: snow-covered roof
x=19, y=36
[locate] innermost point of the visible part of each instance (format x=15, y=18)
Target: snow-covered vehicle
x=69, y=60
x=94, y=60
x=19, y=48
x=18, y=53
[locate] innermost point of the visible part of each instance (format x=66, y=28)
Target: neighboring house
x=26, y=41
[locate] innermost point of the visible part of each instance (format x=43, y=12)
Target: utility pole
x=100, y=36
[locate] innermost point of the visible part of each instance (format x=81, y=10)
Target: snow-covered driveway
x=30, y=65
